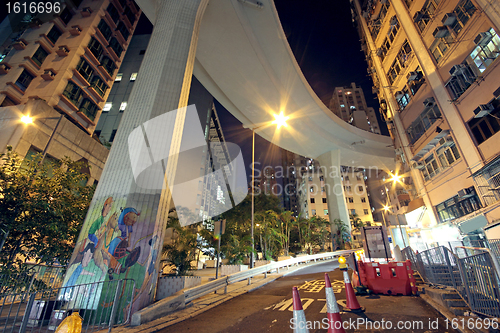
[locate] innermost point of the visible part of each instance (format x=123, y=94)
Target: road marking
x=306, y=302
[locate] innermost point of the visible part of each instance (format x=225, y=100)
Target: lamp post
x=279, y=120
x=386, y=209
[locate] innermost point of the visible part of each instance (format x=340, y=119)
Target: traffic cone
x=299, y=317
x=332, y=309
x=351, y=303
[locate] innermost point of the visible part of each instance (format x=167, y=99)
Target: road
x=269, y=309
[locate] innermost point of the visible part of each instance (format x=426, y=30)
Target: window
x=123, y=106
x=348, y=188
x=122, y=28
x=353, y=211
x=108, y=65
x=457, y=207
x=142, y=52
x=73, y=93
x=365, y=211
x=464, y=11
x=440, y=46
x=431, y=168
x=66, y=16
x=105, y=29
x=88, y=108
x=118, y=77
x=483, y=55
x=112, y=137
x=484, y=128
x=363, y=200
x=400, y=62
x=107, y=107
x=54, y=34
x=360, y=188
x=346, y=177
x=313, y=211
x=129, y=14
x=113, y=13
x=404, y=100
x=351, y=199
x=415, y=85
x=312, y=200
x=99, y=85
x=324, y=200
x=447, y=155
x=85, y=69
x=310, y=178
x=133, y=76
x=311, y=189
x=24, y=80
x=39, y=56
x=116, y=47
x=427, y=12
x=423, y=122
x=325, y=211
x=96, y=48
x=460, y=81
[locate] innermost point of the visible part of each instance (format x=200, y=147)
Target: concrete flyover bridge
x=238, y=50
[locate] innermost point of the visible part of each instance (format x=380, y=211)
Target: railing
x=199, y=291
x=473, y=272
x=480, y=275
x=101, y=305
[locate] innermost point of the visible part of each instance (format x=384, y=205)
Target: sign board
x=376, y=242
x=219, y=227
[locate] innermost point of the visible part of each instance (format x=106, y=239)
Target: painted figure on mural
x=96, y=225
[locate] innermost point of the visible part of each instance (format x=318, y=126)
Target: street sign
x=219, y=227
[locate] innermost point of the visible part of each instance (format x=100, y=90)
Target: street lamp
x=279, y=120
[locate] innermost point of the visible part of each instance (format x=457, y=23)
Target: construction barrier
x=394, y=278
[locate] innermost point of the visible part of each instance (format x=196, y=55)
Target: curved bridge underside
x=244, y=60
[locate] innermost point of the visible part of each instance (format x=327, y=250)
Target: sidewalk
x=211, y=300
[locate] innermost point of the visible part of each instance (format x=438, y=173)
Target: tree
x=42, y=209
x=343, y=237
x=356, y=222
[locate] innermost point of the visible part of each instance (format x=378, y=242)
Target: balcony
x=4, y=68
x=49, y=74
x=63, y=51
x=20, y=44
x=75, y=30
x=86, y=12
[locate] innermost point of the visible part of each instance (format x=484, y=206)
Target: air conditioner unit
x=457, y=69
x=466, y=192
x=394, y=20
x=483, y=110
x=446, y=141
x=399, y=94
x=449, y=19
x=419, y=16
x=429, y=102
x=441, y=32
x=483, y=38
x=418, y=165
x=412, y=76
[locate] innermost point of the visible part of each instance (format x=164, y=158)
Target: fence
x=35, y=278
x=473, y=272
x=101, y=305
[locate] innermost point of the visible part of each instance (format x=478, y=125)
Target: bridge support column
x=337, y=209
x=122, y=236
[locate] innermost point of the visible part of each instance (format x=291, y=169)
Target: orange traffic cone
x=299, y=317
x=351, y=303
x=332, y=309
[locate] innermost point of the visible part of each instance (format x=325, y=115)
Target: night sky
x=327, y=48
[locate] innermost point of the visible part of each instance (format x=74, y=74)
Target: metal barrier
x=100, y=304
x=473, y=272
x=480, y=273
x=199, y=291
x=35, y=278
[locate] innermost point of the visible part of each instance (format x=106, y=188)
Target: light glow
x=27, y=119
x=280, y=120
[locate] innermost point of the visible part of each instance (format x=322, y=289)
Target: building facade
x=62, y=66
x=434, y=65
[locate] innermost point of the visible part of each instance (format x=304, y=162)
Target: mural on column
x=121, y=237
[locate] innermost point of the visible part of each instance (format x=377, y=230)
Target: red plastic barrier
x=394, y=278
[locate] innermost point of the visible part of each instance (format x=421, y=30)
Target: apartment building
x=435, y=69
x=349, y=104
x=59, y=67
